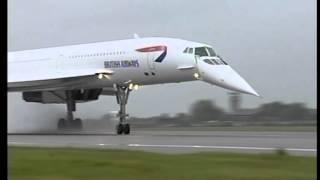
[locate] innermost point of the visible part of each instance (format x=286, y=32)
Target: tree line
x=206, y=110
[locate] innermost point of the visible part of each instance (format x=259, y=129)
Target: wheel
x=126, y=129
x=61, y=124
x=77, y=124
x=119, y=129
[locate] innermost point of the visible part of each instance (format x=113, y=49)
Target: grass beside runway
x=62, y=163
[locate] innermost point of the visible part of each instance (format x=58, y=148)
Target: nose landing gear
x=123, y=128
x=122, y=99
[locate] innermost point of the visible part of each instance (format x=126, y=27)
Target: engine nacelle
x=58, y=97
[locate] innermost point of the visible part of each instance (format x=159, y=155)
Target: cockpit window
x=201, y=51
x=222, y=60
x=208, y=61
x=215, y=61
x=188, y=50
x=211, y=52
x=205, y=51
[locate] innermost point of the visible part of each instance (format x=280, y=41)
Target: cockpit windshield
x=211, y=52
x=205, y=51
x=201, y=51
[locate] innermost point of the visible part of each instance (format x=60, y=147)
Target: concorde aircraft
x=81, y=73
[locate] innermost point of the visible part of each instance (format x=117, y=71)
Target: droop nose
x=225, y=77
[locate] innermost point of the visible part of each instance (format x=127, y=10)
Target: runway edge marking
x=219, y=147
x=182, y=146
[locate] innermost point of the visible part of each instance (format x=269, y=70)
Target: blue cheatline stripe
x=161, y=57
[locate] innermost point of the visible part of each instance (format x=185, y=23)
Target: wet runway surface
x=297, y=143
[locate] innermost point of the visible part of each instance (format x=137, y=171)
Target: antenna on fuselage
x=136, y=36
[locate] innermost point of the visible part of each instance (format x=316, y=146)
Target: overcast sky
x=272, y=44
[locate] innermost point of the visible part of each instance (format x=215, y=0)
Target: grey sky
x=272, y=44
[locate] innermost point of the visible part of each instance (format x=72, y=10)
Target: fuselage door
x=151, y=57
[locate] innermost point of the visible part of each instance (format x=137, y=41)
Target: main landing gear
x=70, y=123
x=122, y=99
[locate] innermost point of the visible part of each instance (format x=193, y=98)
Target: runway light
x=136, y=87
x=100, y=76
x=130, y=86
x=196, y=75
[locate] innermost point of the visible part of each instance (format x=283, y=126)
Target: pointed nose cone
x=226, y=77
x=239, y=84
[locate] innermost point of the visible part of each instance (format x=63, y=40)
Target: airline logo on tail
x=155, y=49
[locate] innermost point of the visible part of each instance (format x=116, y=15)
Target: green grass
x=61, y=163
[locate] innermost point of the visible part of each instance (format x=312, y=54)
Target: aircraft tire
x=126, y=129
x=120, y=129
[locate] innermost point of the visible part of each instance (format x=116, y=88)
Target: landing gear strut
x=122, y=99
x=70, y=122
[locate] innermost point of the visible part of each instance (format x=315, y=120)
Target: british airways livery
x=81, y=73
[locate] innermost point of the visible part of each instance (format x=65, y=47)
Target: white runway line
x=107, y=144
x=298, y=149
x=21, y=143
x=221, y=147
x=179, y=146
x=69, y=144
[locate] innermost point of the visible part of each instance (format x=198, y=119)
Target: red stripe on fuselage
x=152, y=49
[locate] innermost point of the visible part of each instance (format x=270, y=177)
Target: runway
x=296, y=143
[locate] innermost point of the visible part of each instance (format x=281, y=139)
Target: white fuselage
x=77, y=60
x=142, y=61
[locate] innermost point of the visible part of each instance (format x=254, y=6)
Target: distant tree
x=165, y=115
x=312, y=115
x=295, y=111
x=182, y=118
x=205, y=110
x=164, y=118
x=281, y=111
x=270, y=110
